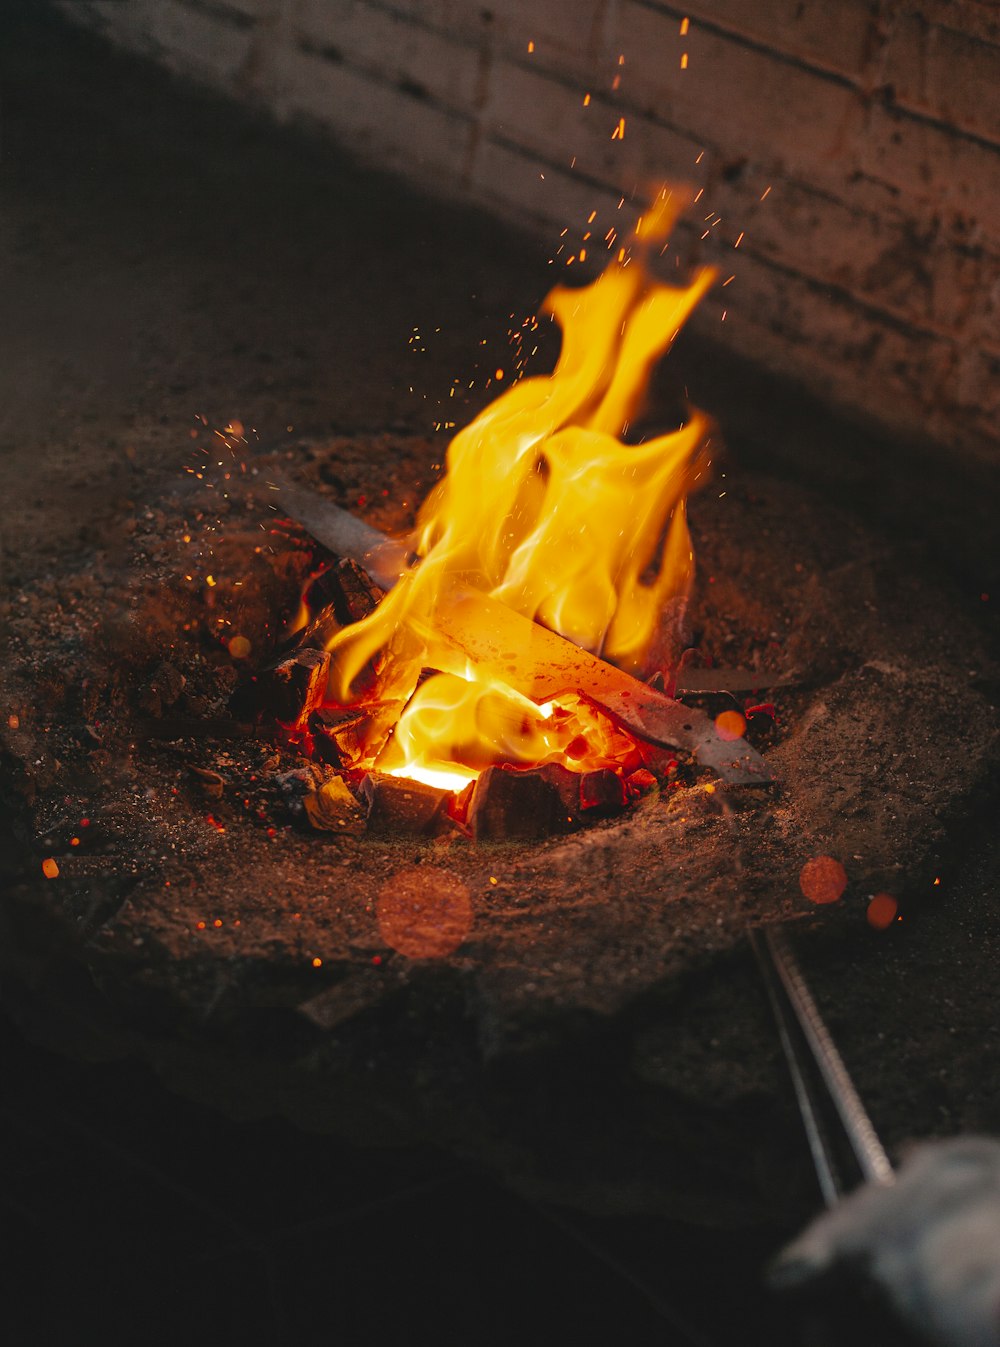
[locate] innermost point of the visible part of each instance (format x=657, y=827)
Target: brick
x=528, y=109
x=738, y=99
x=977, y=392
x=789, y=324
x=976, y=18
x=830, y=37
x=392, y=45
x=512, y=183
x=933, y=169
x=193, y=41
x=932, y=68
x=565, y=32
x=922, y=274
x=366, y=115
x=951, y=76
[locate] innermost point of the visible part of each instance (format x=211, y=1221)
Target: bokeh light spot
x=424, y=912
x=49, y=868
x=239, y=647
x=822, y=879
x=730, y=725
x=882, y=911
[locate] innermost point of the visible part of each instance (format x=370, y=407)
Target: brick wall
x=869, y=272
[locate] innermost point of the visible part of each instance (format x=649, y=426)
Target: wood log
x=342, y=594
x=295, y=687
x=509, y=805
x=397, y=805
x=602, y=792
x=343, y=735
x=535, y=661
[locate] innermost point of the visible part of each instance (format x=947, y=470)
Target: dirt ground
x=169, y=264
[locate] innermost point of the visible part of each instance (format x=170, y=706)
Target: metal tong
x=824, y=1090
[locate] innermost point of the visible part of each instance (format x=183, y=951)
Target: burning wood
x=548, y=568
x=295, y=687
x=470, y=626
x=396, y=805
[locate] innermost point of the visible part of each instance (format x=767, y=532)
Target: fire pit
x=493, y=688
x=576, y=1008
x=380, y=981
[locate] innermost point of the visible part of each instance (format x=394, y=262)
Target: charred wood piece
x=509, y=805
x=333, y=808
x=295, y=786
x=517, y=804
x=355, y=594
x=602, y=793
x=641, y=782
x=211, y=783
x=474, y=626
x=338, y=597
x=293, y=689
x=343, y=735
x=397, y=805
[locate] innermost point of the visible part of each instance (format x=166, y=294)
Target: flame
x=547, y=509
x=476, y=721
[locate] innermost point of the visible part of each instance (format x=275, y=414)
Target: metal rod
x=819, y=1146
x=868, y=1150
x=341, y=532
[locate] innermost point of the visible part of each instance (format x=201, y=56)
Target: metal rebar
x=868, y=1150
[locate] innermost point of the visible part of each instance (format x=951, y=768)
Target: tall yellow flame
x=544, y=507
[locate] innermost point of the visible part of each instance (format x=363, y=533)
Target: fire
x=549, y=511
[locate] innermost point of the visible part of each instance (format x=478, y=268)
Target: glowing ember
x=547, y=509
